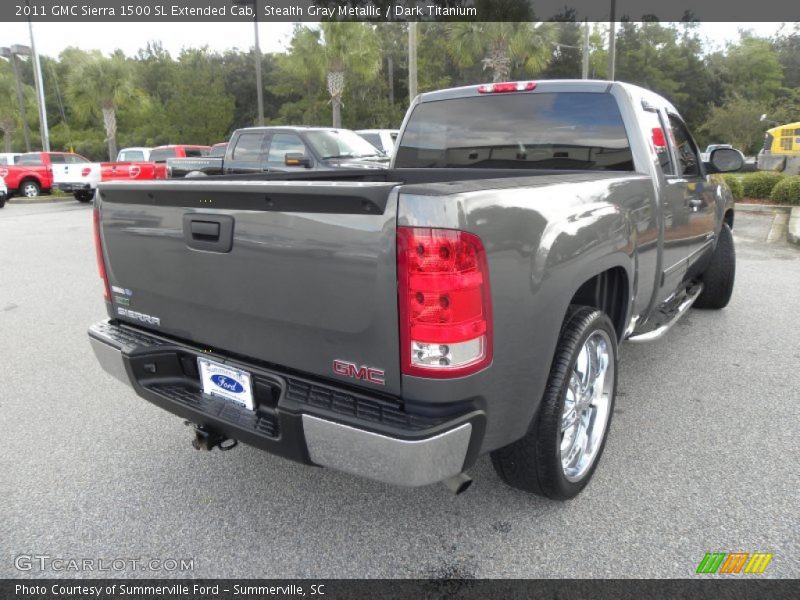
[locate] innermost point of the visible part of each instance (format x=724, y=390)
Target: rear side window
x=248, y=146
x=58, y=159
x=162, y=154
x=76, y=159
x=564, y=130
x=30, y=160
x=195, y=152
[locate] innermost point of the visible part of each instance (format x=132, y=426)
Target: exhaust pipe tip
x=458, y=484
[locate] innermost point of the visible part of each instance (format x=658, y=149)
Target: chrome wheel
x=30, y=190
x=584, y=417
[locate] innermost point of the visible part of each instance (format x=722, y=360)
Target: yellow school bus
x=781, y=151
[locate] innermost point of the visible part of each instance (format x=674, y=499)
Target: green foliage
x=787, y=191
x=734, y=182
x=760, y=184
x=737, y=122
x=503, y=49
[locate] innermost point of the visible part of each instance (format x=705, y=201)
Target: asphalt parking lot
x=703, y=453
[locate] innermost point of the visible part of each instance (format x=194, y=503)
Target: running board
x=659, y=331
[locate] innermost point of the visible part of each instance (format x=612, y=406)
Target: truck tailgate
x=297, y=274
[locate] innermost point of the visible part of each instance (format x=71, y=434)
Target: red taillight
x=98, y=248
x=85, y=172
x=659, y=141
x=507, y=86
x=444, y=301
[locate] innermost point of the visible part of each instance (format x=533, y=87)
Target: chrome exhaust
x=458, y=484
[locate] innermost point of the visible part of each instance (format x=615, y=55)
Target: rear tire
x=545, y=460
x=29, y=189
x=719, y=276
x=2, y=202
x=84, y=196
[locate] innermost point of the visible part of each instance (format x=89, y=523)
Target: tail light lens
x=98, y=248
x=444, y=302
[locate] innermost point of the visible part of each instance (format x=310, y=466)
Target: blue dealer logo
x=228, y=384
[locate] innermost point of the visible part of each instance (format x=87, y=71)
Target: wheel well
x=728, y=218
x=29, y=178
x=607, y=291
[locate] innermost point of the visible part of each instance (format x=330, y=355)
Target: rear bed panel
x=296, y=289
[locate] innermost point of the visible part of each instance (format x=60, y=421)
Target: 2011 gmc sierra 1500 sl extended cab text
x=398, y=324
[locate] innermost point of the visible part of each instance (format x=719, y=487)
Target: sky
x=52, y=38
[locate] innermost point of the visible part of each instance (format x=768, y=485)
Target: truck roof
x=554, y=85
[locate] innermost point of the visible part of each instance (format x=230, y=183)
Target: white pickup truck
x=77, y=176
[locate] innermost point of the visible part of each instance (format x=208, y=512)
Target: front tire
x=561, y=450
x=719, y=276
x=30, y=189
x=2, y=202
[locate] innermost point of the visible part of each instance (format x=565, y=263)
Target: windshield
x=341, y=143
x=565, y=130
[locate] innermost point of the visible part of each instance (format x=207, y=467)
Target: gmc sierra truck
x=397, y=324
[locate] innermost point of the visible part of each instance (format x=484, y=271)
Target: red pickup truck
x=154, y=167
x=32, y=173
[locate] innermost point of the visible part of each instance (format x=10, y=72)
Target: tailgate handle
x=205, y=230
x=209, y=232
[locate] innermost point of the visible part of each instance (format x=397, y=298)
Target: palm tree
x=350, y=50
x=97, y=87
x=502, y=46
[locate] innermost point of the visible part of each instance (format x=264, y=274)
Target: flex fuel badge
x=122, y=296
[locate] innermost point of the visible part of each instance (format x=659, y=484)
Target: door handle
x=209, y=232
x=205, y=230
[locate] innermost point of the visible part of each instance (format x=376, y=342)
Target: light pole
x=412, y=60
x=37, y=79
x=11, y=55
x=259, y=85
x=612, y=41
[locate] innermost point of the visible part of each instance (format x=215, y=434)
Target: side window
x=162, y=154
x=282, y=144
x=685, y=148
x=57, y=159
x=30, y=159
x=248, y=146
x=196, y=152
x=372, y=138
x=76, y=159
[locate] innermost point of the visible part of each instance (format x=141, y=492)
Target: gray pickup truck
x=398, y=324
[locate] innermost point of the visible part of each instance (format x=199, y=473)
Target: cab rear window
x=563, y=130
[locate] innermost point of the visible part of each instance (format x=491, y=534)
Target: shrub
x=759, y=185
x=735, y=183
x=787, y=191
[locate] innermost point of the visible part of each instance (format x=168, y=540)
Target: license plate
x=226, y=382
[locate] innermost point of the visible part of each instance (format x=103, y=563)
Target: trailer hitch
x=208, y=439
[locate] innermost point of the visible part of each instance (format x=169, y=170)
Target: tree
x=9, y=108
x=502, y=47
x=348, y=48
x=737, y=122
x=752, y=69
x=199, y=110
x=97, y=87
